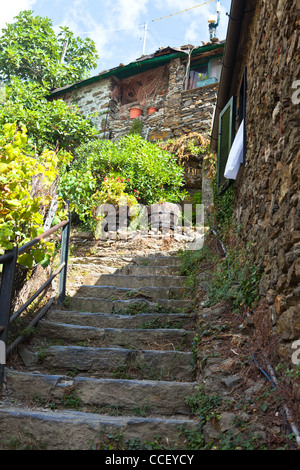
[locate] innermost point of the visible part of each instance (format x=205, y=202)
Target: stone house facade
x=181, y=84
x=259, y=86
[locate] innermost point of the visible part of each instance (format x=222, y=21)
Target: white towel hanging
x=235, y=158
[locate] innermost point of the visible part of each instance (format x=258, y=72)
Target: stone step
x=157, y=260
x=94, y=304
x=118, y=261
x=107, y=320
x=163, y=339
x=131, y=269
x=128, y=281
x=125, y=293
x=111, y=362
x=83, y=270
x=101, y=267
x=75, y=430
x=127, y=269
x=126, y=396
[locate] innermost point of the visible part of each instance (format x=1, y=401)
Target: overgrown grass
x=233, y=278
x=192, y=263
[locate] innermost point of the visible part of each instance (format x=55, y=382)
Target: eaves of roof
x=240, y=17
x=161, y=57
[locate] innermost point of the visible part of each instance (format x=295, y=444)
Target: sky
x=118, y=27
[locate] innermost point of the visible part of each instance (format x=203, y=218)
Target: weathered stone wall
x=197, y=109
x=268, y=197
x=179, y=111
x=90, y=99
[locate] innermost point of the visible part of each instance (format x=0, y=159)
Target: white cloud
x=107, y=26
x=11, y=9
x=129, y=13
x=195, y=20
x=79, y=19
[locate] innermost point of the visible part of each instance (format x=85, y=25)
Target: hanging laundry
x=235, y=158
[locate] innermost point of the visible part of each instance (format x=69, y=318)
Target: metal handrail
x=43, y=236
x=36, y=294
x=9, y=261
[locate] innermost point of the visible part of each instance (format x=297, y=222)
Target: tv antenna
x=214, y=21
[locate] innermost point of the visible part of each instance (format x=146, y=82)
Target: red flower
x=139, y=198
x=128, y=179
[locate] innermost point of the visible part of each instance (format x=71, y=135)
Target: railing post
x=6, y=291
x=65, y=237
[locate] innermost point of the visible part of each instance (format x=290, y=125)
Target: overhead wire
x=183, y=11
x=111, y=30
x=142, y=25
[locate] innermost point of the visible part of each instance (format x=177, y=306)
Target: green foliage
x=20, y=217
x=223, y=207
x=136, y=127
x=30, y=49
x=145, y=172
x=55, y=125
x=235, y=279
x=197, y=198
x=205, y=406
x=113, y=192
x=71, y=399
x=191, y=261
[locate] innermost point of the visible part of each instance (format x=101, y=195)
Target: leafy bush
x=20, y=216
x=113, y=192
x=149, y=174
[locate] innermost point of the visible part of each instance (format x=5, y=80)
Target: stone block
x=288, y=325
x=226, y=421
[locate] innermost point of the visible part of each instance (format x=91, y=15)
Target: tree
x=55, y=125
x=30, y=49
x=21, y=214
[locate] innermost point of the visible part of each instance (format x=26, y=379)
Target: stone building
x=175, y=89
x=256, y=134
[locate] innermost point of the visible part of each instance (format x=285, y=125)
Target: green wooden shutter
x=225, y=140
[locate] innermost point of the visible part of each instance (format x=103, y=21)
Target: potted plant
x=135, y=112
x=152, y=109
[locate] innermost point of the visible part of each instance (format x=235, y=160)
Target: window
x=215, y=66
x=225, y=140
x=205, y=73
x=197, y=76
x=232, y=148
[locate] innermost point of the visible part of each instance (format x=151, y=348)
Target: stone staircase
x=115, y=362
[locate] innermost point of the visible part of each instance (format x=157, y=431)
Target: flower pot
x=152, y=109
x=135, y=112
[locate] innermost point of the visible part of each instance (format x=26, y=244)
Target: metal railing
x=9, y=261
